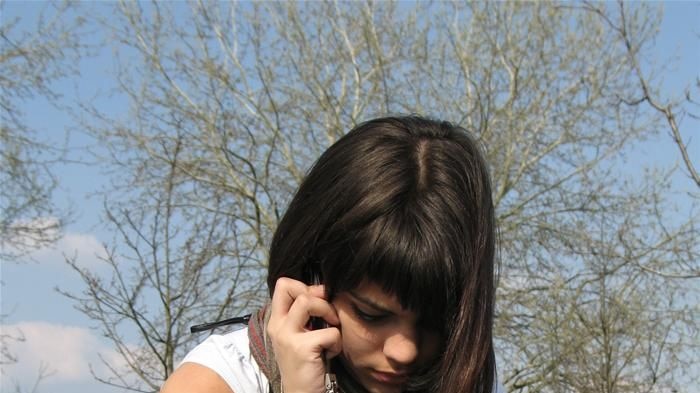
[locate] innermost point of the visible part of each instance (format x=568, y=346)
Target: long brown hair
x=406, y=203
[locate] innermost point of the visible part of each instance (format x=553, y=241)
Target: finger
x=286, y=291
x=328, y=340
x=306, y=306
x=318, y=291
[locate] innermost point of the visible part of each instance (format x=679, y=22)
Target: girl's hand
x=298, y=350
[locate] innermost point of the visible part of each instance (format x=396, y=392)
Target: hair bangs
x=403, y=254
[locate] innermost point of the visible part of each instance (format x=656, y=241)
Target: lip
x=389, y=378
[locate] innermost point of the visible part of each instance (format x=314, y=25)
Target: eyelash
x=370, y=318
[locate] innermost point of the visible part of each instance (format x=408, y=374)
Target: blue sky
x=60, y=336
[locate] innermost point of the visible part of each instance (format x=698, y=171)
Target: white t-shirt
x=229, y=356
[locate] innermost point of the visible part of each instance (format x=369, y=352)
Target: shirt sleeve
x=229, y=356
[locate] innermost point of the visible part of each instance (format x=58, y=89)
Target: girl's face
x=382, y=343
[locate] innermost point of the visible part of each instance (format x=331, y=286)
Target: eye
x=367, y=316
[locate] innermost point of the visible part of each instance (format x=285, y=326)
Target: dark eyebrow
x=369, y=303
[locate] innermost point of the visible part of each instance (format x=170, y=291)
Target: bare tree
x=252, y=93
x=669, y=110
x=31, y=60
x=168, y=270
x=34, y=54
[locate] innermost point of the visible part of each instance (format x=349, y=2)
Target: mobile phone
x=329, y=381
x=316, y=322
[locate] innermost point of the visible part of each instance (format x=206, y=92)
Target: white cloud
x=85, y=248
x=67, y=352
x=43, y=238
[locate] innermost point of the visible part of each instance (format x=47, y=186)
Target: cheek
x=358, y=341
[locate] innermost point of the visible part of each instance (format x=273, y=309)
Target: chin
x=383, y=389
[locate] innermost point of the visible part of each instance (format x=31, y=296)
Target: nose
x=402, y=346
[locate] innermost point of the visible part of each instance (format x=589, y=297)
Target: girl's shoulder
x=195, y=378
x=223, y=363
